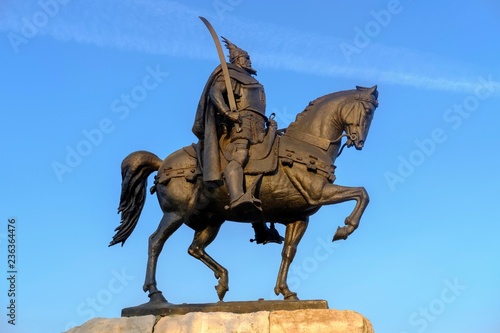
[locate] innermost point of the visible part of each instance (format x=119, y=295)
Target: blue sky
x=87, y=82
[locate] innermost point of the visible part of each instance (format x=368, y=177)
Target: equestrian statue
x=244, y=169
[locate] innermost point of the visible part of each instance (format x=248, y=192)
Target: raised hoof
x=340, y=234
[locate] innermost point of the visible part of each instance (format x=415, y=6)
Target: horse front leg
x=333, y=194
x=168, y=225
x=293, y=235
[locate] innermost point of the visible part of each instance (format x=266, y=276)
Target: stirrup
x=268, y=235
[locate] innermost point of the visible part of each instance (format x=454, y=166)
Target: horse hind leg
x=169, y=223
x=203, y=238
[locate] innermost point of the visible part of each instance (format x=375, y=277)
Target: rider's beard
x=250, y=70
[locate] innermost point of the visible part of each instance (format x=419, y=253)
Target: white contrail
x=173, y=29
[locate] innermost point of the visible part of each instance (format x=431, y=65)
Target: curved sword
x=223, y=65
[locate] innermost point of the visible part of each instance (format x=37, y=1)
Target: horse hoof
x=221, y=291
x=291, y=297
x=340, y=234
x=157, y=297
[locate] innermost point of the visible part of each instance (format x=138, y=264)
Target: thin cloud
x=174, y=29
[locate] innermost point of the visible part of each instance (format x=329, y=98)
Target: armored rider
x=245, y=126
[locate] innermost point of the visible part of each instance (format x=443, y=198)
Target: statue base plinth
x=276, y=321
x=168, y=309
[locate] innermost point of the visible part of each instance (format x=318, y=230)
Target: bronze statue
x=288, y=176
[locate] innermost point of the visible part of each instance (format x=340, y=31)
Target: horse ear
x=370, y=90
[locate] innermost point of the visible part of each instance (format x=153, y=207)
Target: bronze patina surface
x=244, y=169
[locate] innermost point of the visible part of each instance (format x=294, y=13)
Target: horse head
x=358, y=116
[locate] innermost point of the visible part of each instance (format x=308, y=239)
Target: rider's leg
x=233, y=173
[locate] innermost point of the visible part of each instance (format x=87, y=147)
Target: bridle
x=324, y=143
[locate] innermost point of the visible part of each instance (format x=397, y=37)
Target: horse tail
x=136, y=169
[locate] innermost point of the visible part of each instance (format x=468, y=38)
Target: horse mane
x=360, y=93
x=309, y=107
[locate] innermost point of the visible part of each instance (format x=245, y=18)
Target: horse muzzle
x=355, y=141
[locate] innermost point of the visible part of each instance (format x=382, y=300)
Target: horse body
x=289, y=195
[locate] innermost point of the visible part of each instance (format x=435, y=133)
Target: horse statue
x=300, y=182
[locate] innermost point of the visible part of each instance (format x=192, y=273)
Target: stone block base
x=283, y=321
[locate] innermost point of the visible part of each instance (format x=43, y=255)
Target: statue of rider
x=244, y=126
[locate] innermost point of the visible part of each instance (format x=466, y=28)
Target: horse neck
x=322, y=120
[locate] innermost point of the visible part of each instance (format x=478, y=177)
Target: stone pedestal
x=281, y=321
x=168, y=309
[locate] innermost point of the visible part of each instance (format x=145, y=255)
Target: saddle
x=290, y=149
x=263, y=156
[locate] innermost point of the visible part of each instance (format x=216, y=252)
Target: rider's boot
x=239, y=200
x=264, y=235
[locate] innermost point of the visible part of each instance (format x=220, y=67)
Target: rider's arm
x=218, y=95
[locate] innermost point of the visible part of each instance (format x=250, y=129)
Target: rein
x=352, y=137
x=317, y=141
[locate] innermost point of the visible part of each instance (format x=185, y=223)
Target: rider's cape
x=205, y=124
